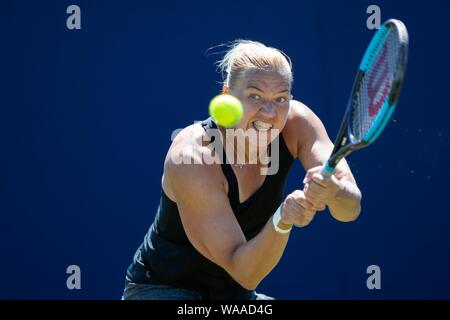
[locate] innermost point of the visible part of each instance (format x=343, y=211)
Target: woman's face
x=265, y=96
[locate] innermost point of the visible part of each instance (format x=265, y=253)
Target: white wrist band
x=276, y=219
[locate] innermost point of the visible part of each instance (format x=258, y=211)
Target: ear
x=225, y=89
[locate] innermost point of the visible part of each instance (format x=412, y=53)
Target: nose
x=268, y=110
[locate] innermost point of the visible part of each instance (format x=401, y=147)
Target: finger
x=308, y=214
x=303, y=216
x=302, y=221
x=309, y=205
x=316, y=196
x=298, y=203
x=308, y=177
x=306, y=219
x=299, y=197
x=324, y=181
x=321, y=208
x=310, y=201
x=334, y=182
x=329, y=185
x=320, y=179
x=310, y=173
x=313, y=201
x=316, y=206
x=315, y=187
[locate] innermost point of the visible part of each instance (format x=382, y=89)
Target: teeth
x=260, y=125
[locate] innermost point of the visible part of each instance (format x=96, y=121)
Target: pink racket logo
x=379, y=83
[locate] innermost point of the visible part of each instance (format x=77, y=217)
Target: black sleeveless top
x=166, y=255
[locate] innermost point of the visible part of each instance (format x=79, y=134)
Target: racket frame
x=345, y=142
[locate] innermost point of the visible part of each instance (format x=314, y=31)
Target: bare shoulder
x=303, y=127
x=187, y=146
x=190, y=162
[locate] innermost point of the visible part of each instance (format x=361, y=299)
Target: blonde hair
x=243, y=55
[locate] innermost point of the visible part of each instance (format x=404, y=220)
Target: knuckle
x=290, y=200
x=296, y=194
x=310, y=195
x=307, y=206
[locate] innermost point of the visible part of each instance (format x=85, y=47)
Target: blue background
x=86, y=118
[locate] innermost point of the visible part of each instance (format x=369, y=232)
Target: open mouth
x=261, y=125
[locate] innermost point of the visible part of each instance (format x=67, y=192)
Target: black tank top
x=166, y=255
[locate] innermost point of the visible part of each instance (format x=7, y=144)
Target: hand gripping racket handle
x=326, y=170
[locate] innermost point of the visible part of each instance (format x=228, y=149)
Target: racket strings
x=375, y=85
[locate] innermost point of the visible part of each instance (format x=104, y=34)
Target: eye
x=254, y=97
x=281, y=100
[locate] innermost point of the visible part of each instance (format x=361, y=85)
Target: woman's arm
x=313, y=146
x=212, y=228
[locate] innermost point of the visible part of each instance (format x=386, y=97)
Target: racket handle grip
x=326, y=170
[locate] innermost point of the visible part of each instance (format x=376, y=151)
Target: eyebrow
x=255, y=87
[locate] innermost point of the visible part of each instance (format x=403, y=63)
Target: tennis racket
x=375, y=92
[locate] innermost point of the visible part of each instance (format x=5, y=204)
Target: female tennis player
x=221, y=228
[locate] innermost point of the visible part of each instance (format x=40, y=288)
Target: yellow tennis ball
x=226, y=110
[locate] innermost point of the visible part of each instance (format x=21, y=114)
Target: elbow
x=249, y=282
x=243, y=273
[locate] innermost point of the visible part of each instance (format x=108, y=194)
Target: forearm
x=253, y=260
x=346, y=205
